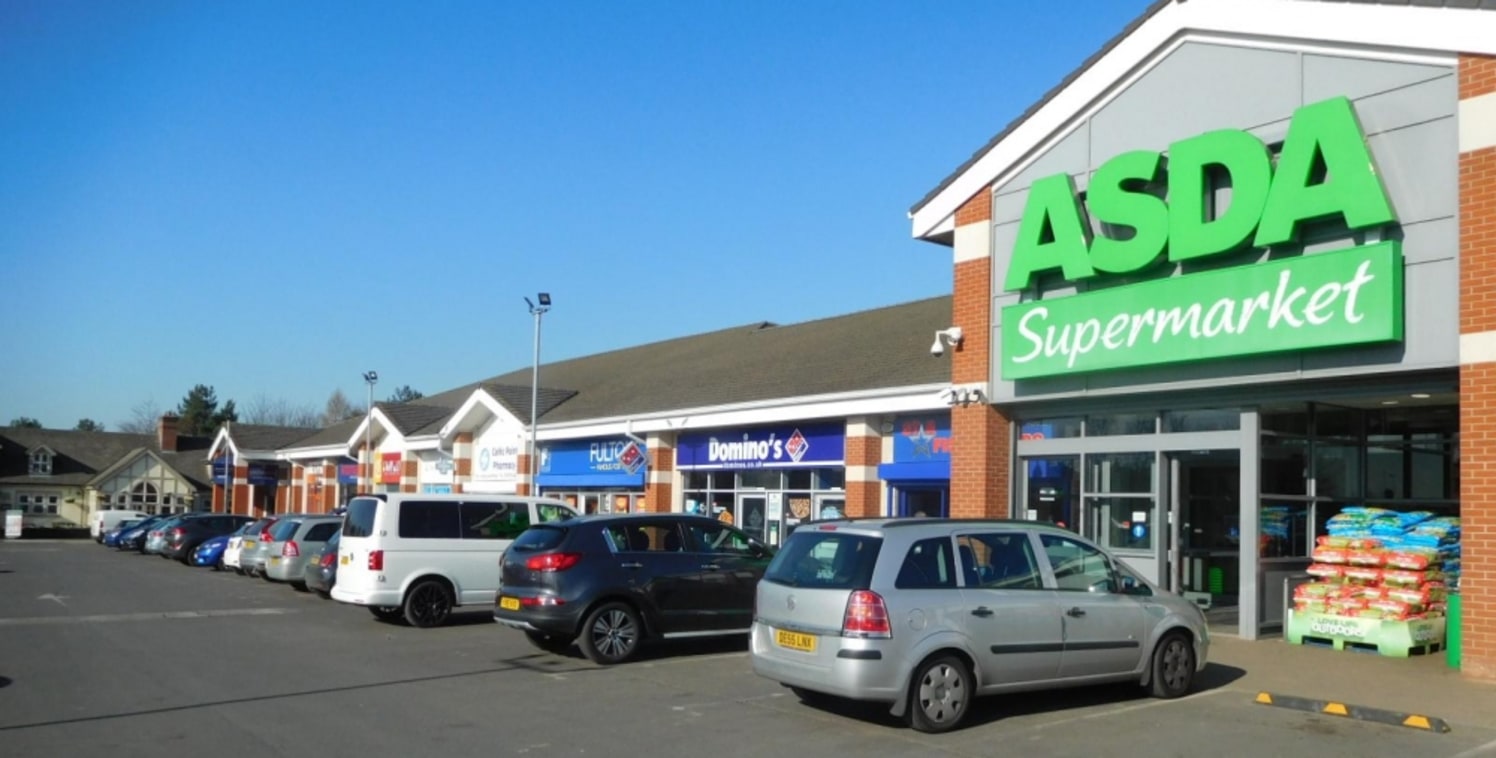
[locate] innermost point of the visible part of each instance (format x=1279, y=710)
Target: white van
x=417, y=556
x=100, y=522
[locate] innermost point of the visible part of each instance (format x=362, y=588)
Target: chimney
x=166, y=433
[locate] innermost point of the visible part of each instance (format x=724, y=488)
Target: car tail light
x=328, y=559
x=265, y=536
x=866, y=616
x=552, y=561
x=541, y=601
x=174, y=534
x=376, y=560
x=290, y=550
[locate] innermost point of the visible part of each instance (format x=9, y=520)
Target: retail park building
x=1233, y=274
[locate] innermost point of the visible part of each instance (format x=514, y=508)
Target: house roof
x=1436, y=29
x=81, y=456
x=262, y=437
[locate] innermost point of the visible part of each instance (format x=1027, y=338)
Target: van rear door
x=358, y=540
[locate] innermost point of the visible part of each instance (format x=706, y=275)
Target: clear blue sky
x=272, y=197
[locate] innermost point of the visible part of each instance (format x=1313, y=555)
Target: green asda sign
x=1324, y=170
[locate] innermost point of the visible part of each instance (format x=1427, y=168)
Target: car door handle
x=1075, y=613
x=983, y=611
x=711, y=566
x=631, y=565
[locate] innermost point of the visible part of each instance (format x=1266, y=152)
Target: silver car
x=293, y=541
x=926, y=614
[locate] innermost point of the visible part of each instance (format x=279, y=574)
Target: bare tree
x=143, y=418
x=339, y=409
x=278, y=412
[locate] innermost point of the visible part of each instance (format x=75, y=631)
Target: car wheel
x=940, y=695
x=551, y=643
x=428, y=604
x=387, y=612
x=1173, y=667
x=611, y=634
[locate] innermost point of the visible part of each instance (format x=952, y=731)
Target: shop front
x=765, y=480
x=594, y=475
x=1220, y=324
x=918, y=478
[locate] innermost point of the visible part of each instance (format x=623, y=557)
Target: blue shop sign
x=921, y=449
x=348, y=471
x=259, y=473
x=608, y=462
x=764, y=447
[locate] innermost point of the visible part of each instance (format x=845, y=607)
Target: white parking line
x=111, y=617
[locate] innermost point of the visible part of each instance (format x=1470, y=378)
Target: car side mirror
x=1131, y=586
x=1103, y=587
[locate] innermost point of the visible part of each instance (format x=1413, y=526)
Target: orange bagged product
x=1330, y=555
x=1365, y=558
x=1325, y=570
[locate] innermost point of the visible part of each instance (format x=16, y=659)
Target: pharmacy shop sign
x=1324, y=171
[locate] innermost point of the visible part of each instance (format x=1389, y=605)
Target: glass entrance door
x=1205, y=526
x=753, y=515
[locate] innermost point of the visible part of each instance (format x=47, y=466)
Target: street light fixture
x=372, y=378
x=537, y=311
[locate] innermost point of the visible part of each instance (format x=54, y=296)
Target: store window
x=1113, y=424
x=1050, y=428
x=1209, y=420
x=1119, y=502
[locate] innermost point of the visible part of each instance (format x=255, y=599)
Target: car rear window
x=320, y=532
x=825, y=559
x=539, y=537
x=283, y=530
x=359, y=521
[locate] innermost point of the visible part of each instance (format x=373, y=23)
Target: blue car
x=134, y=537
x=111, y=537
x=210, y=553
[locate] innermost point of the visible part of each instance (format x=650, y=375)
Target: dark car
x=134, y=537
x=613, y=582
x=111, y=537
x=321, y=573
x=194, y=529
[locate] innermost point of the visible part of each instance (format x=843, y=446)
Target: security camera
x=937, y=349
x=944, y=336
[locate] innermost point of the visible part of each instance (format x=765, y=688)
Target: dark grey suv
x=612, y=582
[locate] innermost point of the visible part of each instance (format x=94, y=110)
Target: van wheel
x=1173, y=667
x=428, y=604
x=387, y=612
x=550, y=643
x=940, y=694
x=611, y=634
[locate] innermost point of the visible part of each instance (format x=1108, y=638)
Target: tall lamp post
x=372, y=378
x=537, y=311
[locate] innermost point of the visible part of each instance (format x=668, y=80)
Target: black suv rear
x=611, y=582
x=196, y=528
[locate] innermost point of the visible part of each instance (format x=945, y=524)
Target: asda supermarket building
x=1234, y=274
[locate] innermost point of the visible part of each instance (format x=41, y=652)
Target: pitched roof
x=875, y=349
x=262, y=437
x=80, y=456
x=516, y=399
x=336, y=435
x=415, y=418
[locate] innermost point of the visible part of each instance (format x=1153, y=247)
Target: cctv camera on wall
x=951, y=336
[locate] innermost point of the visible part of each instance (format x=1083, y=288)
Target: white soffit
x=1401, y=33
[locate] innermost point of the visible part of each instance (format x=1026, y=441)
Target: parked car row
x=299, y=549
x=923, y=615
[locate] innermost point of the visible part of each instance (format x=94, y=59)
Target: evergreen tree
x=199, y=413
x=25, y=422
x=88, y=425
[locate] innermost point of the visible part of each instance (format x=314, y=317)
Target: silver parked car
x=294, y=540
x=926, y=614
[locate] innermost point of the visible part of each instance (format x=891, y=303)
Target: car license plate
x=249, y=543
x=805, y=643
x=509, y=603
x=343, y=559
x=275, y=559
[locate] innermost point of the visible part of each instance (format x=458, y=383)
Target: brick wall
x=979, y=460
x=660, y=463
x=1478, y=388
x=863, y=497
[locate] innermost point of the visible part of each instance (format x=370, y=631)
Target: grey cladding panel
x=1421, y=169
x=1328, y=76
x=1198, y=88
x=1071, y=156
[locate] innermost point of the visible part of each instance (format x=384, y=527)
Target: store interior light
x=1389, y=402
x=1419, y=395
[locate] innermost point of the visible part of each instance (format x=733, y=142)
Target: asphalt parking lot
x=124, y=654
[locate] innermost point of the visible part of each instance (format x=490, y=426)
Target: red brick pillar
x=522, y=483
x=462, y=459
x=980, y=435
x=864, y=448
x=1477, y=83
x=410, y=473
x=241, y=493
x=659, y=485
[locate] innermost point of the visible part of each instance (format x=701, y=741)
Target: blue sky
x=272, y=197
